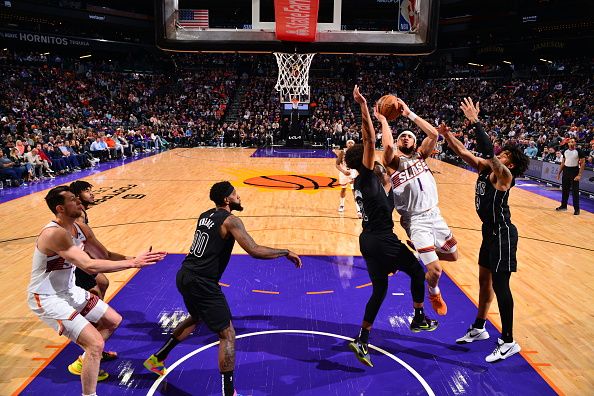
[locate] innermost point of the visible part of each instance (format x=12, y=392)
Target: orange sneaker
x=439, y=306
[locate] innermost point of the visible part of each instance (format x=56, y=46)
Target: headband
x=407, y=133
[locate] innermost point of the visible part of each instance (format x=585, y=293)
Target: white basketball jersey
x=414, y=187
x=53, y=275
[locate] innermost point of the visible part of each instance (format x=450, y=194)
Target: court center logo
x=292, y=182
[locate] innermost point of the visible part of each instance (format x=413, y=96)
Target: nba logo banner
x=406, y=15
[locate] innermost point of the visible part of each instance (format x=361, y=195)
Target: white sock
x=341, y=201
x=433, y=290
x=90, y=394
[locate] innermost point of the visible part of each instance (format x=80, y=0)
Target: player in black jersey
x=198, y=279
x=95, y=283
x=497, y=256
x=383, y=252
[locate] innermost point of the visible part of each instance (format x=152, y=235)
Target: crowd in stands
x=59, y=115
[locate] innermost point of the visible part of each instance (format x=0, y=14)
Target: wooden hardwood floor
x=553, y=319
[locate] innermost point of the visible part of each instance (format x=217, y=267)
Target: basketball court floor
x=293, y=324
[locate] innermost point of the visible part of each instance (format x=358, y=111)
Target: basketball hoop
x=293, y=77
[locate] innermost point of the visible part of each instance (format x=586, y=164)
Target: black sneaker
x=425, y=325
x=576, y=212
x=561, y=209
x=361, y=351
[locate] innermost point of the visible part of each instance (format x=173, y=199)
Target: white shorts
x=429, y=233
x=68, y=312
x=343, y=179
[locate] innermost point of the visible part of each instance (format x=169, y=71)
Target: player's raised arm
x=459, y=148
x=390, y=158
x=368, y=132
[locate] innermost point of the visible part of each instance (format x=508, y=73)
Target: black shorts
x=498, y=250
x=204, y=300
x=84, y=280
x=384, y=254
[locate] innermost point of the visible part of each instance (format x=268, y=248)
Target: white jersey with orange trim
x=415, y=190
x=53, y=274
x=343, y=179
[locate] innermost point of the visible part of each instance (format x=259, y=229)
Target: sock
x=419, y=315
x=433, y=290
x=166, y=348
x=341, y=201
x=479, y=323
x=364, y=336
x=90, y=394
x=227, y=382
x=507, y=339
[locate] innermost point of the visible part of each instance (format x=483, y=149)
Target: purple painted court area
x=554, y=193
x=312, y=359
x=281, y=152
x=10, y=193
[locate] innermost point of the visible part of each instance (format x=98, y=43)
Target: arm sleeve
x=483, y=142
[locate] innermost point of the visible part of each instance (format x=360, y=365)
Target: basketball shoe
x=76, y=369
x=503, y=350
x=361, y=351
x=153, y=364
x=424, y=325
x=473, y=334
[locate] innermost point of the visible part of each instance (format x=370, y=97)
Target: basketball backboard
x=404, y=27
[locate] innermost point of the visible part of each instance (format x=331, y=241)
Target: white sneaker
x=503, y=350
x=473, y=335
x=341, y=208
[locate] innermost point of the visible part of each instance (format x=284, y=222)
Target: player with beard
x=95, y=283
x=198, y=279
x=415, y=198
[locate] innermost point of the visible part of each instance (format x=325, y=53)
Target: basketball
x=389, y=107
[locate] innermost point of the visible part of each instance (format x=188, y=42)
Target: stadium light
x=45, y=53
x=508, y=62
x=475, y=64
x=85, y=56
x=544, y=60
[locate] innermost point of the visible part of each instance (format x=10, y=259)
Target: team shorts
x=68, y=312
x=498, y=249
x=430, y=234
x=384, y=253
x=343, y=179
x=204, y=300
x=84, y=280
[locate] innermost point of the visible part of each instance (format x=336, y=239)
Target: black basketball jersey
x=375, y=204
x=209, y=253
x=491, y=204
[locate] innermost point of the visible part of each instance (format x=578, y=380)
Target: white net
x=293, y=77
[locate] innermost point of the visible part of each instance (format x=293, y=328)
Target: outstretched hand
x=443, y=129
x=295, y=259
x=357, y=96
x=148, y=258
x=470, y=109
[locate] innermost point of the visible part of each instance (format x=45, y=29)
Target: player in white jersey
x=57, y=301
x=415, y=199
x=346, y=176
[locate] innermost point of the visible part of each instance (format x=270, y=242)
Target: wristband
x=412, y=116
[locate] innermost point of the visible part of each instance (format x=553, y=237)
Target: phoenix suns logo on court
x=292, y=182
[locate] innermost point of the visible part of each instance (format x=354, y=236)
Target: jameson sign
x=38, y=38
